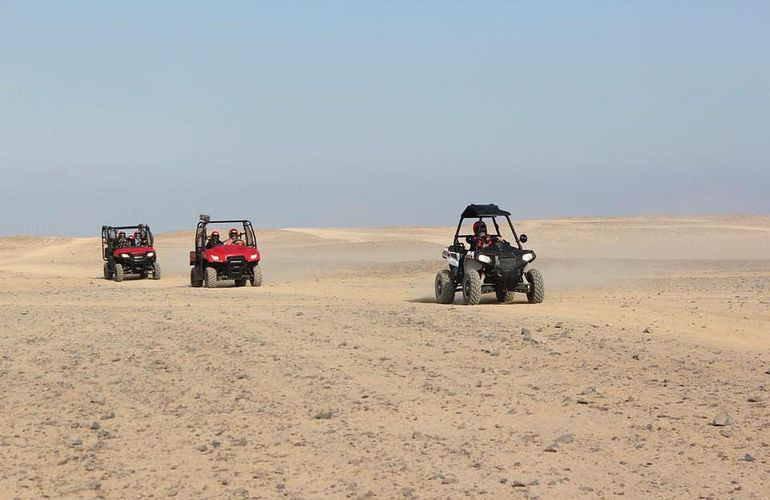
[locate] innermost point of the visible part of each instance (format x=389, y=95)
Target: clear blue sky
x=378, y=113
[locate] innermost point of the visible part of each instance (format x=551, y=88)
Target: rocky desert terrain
x=645, y=372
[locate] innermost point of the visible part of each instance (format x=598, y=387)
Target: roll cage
x=481, y=212
x=201, y=236
x=110, y=236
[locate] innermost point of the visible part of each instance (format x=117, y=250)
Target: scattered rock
x=95, y=426
x=581, y=401
x=647, y=330
x=588, y=390
x=747, y=458
x=98, y=399
x=635, y=356
x=722, y=419
x=108, y=415
x=518, y=484
x=202, y=448
x=565, y=438
x=551, y=448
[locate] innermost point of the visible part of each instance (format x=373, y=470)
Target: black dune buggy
x=132, y=254
x=494, y=265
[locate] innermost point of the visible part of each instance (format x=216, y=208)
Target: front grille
x=236, y=265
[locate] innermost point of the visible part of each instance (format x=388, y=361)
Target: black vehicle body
x=238, y=262
x=500, y=268
x=122, y=259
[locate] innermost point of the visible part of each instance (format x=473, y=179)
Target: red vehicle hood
x=224, y=251
x=132, y=250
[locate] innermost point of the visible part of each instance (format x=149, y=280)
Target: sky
x=365, y=113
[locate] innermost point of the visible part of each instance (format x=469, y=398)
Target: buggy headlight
x=253, y=256
x=124, y=255
x=485, y=259
x=215, y=257
x=527, y=257
x=150, y=254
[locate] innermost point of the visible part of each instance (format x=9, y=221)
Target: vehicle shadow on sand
x=458, y=301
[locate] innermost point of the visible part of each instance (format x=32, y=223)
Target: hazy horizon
x=368, y=114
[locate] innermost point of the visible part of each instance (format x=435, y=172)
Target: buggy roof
x=490, y=210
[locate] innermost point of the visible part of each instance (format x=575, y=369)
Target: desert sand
x=342, y=378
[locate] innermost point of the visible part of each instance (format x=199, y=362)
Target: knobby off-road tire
x=195, y=280
x=211, y=277
x=471, y=288
x=107, y=273
x=536, y=292
x=156, y=271
x=445, y=287
x=118, y=272
x=504, y=296
x=256, y=280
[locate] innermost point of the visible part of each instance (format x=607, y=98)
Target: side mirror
x=523, y=238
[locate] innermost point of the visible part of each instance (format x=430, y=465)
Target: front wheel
x=211, y=277
x=471, y=288
x=445, y=287
x=107, y=273
x=536, y=292
x=256, y=278
x=118, y=272
x=156, y=271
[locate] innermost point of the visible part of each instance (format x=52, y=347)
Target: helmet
x=215, y=234
x=131, y=237
x=233, y=232
x=121, y=233
x=479, y=228
x=137, y=233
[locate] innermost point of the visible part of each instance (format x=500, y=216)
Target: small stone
x=635, y=356
x=202, y=448
x=747, y=458
x=518, y=484
x=722, y=419
x=565, y=438
x=98, y=399
x=95, y=426
x=588, y=390
x=93, y=484
x=726, y=433
x=551, y=448
x=581, y=401
x=647, y=330
x=215, y=443
x=324, y=415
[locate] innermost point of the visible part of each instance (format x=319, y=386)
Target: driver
x=481, y=239
x=131, y=241
x=139, y=241
x=121, y=241
x=233, y=237
x=213, y=240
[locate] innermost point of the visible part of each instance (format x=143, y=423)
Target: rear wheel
x=211, y=277
x=471, y=288
x=156, y=271
x=504, y=296
x=536, y=292
x=118, y=272
x=256, y=279
x=195, y=279
x=445, y=287
x=107, y=273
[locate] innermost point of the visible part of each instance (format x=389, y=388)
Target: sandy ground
x=341, y=378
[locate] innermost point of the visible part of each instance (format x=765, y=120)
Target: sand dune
x=342, y=377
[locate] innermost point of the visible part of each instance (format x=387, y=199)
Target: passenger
x=213, y=240
x=139, y=241
x=131, y=241
x=481, y=239
x=234, y=238
x=121, y=241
